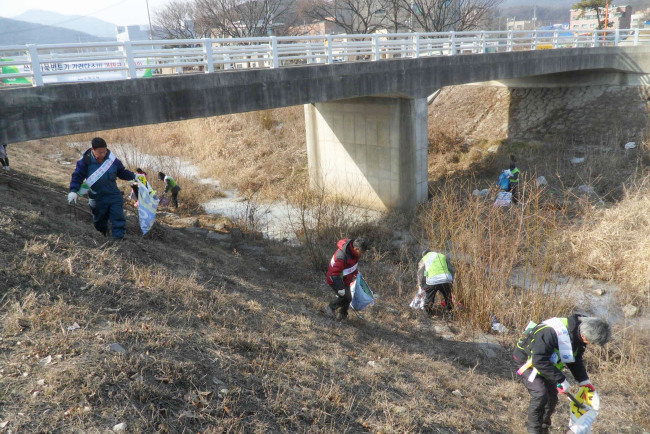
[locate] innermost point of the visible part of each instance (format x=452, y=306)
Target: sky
x=120, y=12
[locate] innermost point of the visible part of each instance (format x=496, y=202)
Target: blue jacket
x=106, y=185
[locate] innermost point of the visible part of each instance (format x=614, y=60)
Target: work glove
x=341, y=292
x=72, y=197
x=587, y=384
x=563, y=387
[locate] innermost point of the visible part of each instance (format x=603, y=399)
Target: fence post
x=130, y=61
x=452, y=41
x=36, y=65
x=274, y=51
x=416, y=41
x=375, y=47
x=483, y=46
x=617, y=37
x=594, y=39
x=207, y=50
x=330, y=60
x=555, y=36
x=636, y=36
x=535, y=40
x=510, y=39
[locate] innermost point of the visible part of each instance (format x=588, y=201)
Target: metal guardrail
x=39, y=65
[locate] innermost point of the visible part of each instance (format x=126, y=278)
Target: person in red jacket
x=341, y=272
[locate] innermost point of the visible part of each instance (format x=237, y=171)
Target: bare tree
x=442, y=15
x=598, y=6
x=352, y=16
x=242, y=18
x=176, y=20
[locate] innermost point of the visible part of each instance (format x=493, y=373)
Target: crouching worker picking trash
x=342, y=272
x=542, y=353
x=435, y=273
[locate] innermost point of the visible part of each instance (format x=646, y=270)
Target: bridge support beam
x=371, y=150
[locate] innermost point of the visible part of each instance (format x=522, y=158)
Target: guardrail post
x=36, y=65
x=535, y=40
x=330, y=60
x=483, y=46
x=227, y=65
x=130, y=62
x=274, y=51
x=617, y=37
x=510, y=40
x=207, y=50
x=636, y=36
x=555, y=36
x=416, y=41
x=452, y=41
x=594, y=39
x=375, y=47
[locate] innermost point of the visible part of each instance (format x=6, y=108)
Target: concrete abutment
x=371, y=150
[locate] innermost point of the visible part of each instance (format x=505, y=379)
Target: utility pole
x=606, y=14
x=149, y=16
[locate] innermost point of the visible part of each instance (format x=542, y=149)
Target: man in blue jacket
x=99, y=168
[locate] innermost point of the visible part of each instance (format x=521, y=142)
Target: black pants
x=175, y=191
x=341, y=301
x=514, y=189
x=543, y=400
x=429, y=302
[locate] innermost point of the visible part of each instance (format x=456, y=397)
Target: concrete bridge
x=366, y=121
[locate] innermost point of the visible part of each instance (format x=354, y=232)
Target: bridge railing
x=45, y=64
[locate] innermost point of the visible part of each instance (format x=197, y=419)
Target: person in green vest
x=543, y=352
x=435, y=274
x=514, y=182
x=170, y=185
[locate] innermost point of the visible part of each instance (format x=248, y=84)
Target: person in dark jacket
x=341, y=273
x=543, y=352
x=514, y=182
x=97, y=170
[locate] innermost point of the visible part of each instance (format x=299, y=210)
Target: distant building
x=315, y=28
x=521, y=25
x=620, y=17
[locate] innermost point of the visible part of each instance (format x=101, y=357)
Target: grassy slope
x=193, y=315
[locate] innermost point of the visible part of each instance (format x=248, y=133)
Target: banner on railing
x=87, y=71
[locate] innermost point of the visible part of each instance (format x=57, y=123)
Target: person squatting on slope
x=514, y=182
x=435, y=273
x=341, y=273
x=99, y=168
x=543, y=352
x=170, y=185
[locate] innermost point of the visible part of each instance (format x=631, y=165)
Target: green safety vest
x=514, y=172
x=526, y=343
x=436, y=264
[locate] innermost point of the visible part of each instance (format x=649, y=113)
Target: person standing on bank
x=514, y=181
x=543, y=352
x=170, y=185
x=99, y=168
x=341, y=273
x=435, y=273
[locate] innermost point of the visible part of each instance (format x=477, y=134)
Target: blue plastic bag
x=504, y=182
x=362, y=295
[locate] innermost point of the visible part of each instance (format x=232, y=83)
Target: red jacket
x=343, y=265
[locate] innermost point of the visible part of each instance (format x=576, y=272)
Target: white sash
x=352, y=269
x=99, y=172
x=563, y=339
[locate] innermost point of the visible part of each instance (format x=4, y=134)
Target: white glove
x=72, y=197
x=341, y=292
x=563, y=387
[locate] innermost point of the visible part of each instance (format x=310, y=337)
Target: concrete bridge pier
x=371, y=150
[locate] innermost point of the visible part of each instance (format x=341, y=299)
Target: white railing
x=40, y=65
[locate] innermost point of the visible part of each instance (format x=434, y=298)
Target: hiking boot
x=329, y=311
x=342, y=317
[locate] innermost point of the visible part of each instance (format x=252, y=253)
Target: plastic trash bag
x=503, y=199
x=362, y=295
x=147, y=204
x=582, y=419
x=504, y=182
x=419, y=299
